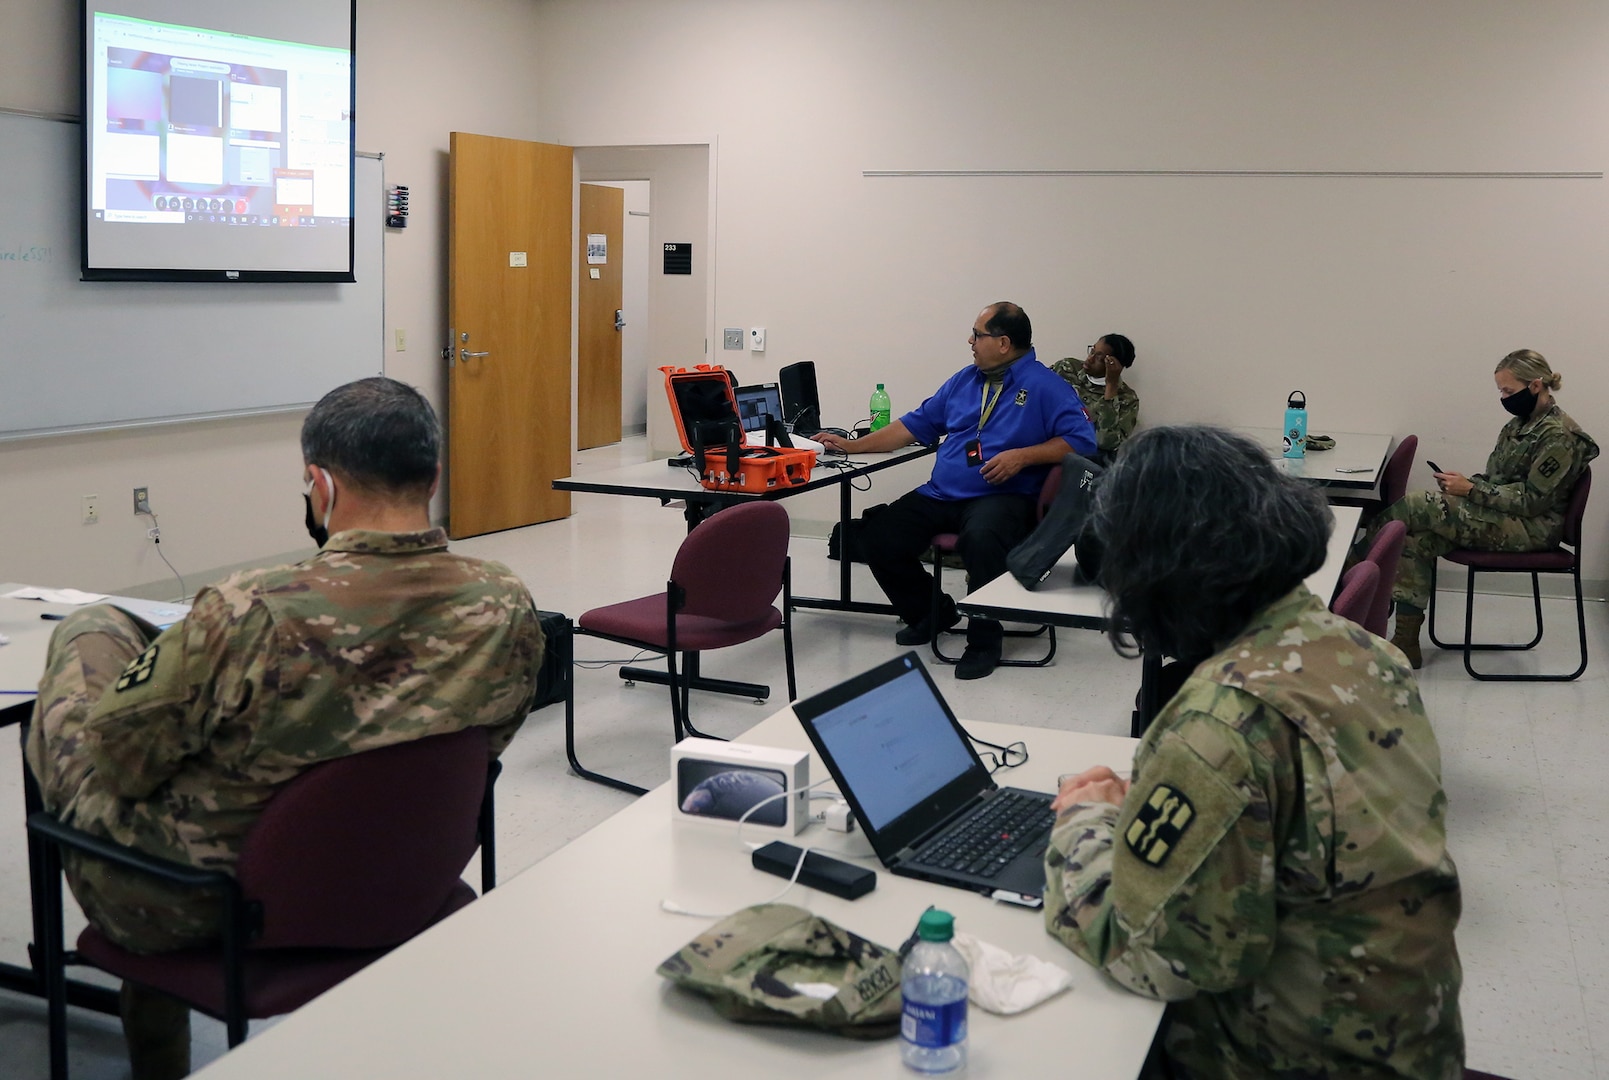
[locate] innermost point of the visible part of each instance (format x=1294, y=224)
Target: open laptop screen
x=892, y=739
x=755, y=403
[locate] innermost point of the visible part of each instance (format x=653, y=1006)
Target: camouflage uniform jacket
x=378, y=639
x=1532, y=471
x=1278, y=871
x=1114, y=418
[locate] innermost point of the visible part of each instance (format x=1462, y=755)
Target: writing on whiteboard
x=26, y=253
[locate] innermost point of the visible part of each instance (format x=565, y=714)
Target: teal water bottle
x=1295, y=431
x=881, y=410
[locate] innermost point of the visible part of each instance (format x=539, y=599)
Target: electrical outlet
x=92, y=509
x=402, y=340
x=142, y=500
x=732, y=337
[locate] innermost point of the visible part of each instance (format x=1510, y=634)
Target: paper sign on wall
x=597, y=247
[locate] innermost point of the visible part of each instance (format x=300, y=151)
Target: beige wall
x=227, y=492
x=1387, y=299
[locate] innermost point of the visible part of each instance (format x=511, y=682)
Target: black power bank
x=820, y=871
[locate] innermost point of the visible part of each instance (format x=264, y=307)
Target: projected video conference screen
x=218, y=140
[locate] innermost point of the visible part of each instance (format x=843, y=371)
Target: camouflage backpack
x=778, y=964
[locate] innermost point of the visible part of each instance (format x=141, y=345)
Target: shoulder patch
x=1548, y=467
x=139, y=671
x=1158, y=827
x=1022, y=397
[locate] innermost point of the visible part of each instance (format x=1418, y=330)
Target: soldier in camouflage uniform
x=174, y=742
x=1112, y=404
x=1277, y=869
x=1517, y=504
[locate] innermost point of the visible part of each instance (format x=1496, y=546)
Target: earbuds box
x=715, y=782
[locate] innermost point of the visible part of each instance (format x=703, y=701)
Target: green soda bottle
x=881, y=410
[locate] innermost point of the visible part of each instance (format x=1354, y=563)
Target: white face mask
x=1098, y=380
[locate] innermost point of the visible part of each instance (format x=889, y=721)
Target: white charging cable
x=674, y=908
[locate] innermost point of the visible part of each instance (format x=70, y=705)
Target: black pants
x=988, y=527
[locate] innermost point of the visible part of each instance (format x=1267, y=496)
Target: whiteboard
x=77, y=356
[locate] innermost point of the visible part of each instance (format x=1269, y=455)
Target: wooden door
x=508, y=378
x=597, y=393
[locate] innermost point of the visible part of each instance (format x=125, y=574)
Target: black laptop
x=919, y=789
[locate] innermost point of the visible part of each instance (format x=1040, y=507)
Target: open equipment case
x=705, y=409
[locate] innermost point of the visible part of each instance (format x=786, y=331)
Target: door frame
x=703, y=265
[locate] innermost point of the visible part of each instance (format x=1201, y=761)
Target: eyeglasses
x=976, y=334
x=999, y=757
x=1093, y=353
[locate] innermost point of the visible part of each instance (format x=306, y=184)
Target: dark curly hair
x=1200, y=532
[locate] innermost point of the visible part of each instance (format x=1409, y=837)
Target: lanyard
x=989, y=403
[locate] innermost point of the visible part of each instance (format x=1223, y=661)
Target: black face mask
x=1521, y=403
x=318, y=532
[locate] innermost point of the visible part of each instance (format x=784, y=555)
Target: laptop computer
x=756, y=403
x=916, y=785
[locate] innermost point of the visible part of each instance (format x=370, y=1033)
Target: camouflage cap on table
x=778, y=964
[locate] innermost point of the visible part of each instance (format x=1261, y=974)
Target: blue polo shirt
x=1035, y=404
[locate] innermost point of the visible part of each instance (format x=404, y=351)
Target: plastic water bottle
x=881, y=410
x=933, y=1024
x=1295, y=431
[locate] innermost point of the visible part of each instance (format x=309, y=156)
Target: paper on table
x=56, y=596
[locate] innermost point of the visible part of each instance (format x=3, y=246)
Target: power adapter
x=839, y=818
x=830, y=875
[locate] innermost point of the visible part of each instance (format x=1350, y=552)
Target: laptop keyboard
x=985, y=843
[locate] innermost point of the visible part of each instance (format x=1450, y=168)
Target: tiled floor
x=1520, y=765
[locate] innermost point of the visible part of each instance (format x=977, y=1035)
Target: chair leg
x=787, y=627
x=1469, y=646
x=1469, y=595
x=488, y=829
x=569, y=734
x=55, y=962
x=934, y=607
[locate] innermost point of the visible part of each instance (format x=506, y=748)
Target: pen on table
x=50, y=617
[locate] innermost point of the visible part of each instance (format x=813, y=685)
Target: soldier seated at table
x=174, y=742
x=1113, y=405
x=1277, y=869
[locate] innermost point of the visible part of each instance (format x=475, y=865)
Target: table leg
x=845, y=600
x=1150, y=670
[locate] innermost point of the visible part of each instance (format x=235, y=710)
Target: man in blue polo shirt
x=1005, y=420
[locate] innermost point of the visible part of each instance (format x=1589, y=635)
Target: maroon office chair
x=348, y=860
x=1556, y=560
x=722, y=591
x=1356, y=598
x=946, y=544
x=1386, y=553
x=1393, y=482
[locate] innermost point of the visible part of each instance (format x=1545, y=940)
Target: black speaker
x=801, y=405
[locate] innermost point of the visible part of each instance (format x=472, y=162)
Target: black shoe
x=921, y=633
x=978, y=662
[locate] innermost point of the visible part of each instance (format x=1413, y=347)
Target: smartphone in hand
x=1433, y=466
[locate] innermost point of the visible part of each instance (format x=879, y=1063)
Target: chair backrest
x=1577, y=509
x=1394, y=477
x=1358, y=586
x=361, y=851
x=730, y=566
x=1385, y=552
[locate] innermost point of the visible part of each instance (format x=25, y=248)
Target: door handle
x=465, y=354
x=620, y=318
